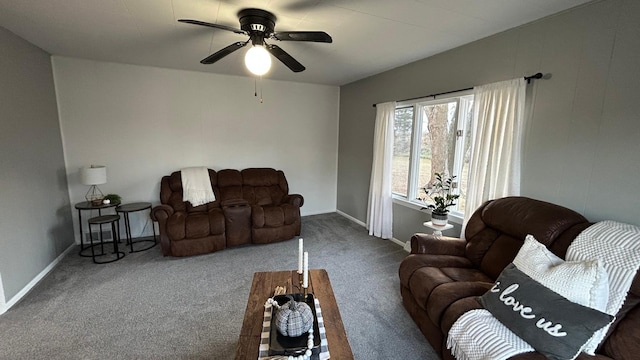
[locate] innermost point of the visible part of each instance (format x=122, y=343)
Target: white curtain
x=380, y=208
x=496, y=151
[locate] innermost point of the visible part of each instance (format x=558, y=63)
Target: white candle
x=305, y=277
x=300, y=247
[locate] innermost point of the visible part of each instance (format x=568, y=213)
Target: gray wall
x=35, y=215
x=582, y=144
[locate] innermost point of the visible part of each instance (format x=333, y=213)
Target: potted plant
x=111, y=199
x=440, y=193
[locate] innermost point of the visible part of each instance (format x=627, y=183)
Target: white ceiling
x=369, y=36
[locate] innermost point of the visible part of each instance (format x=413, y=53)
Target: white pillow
x=583, y=282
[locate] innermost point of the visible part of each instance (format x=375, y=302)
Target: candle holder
x=305, y=292
x=300, y=280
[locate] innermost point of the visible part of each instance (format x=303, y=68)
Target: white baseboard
x=14, y=300
x=394, y=240
x=318, y=212
x=403, y=244
x=351, y=218
x=2, y=300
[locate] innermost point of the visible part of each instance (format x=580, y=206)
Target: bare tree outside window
x=442, y=145
x=402, y=133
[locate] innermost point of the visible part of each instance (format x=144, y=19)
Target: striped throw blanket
x=478, y=335
x=266, y=329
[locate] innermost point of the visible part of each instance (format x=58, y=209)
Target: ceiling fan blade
x=315, y=36
x=223, y=52
x=285, y=58
x=223, y=27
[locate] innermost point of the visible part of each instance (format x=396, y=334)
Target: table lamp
x=94, y=175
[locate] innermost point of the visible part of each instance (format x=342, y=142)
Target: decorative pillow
x=549, y=322
x=589, y=285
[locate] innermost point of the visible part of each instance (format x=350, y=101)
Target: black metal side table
x=126, y=209
x=86, y=205
x=102, y=220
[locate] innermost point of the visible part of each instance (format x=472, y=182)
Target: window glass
x=402, y=131
x=432, y=136
x=438, y=130
x=466, y=115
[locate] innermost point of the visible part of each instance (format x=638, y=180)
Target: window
x=432, y=136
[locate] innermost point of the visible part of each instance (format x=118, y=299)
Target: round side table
x=437, y=229
x=87, y=205
x=126, y=209
x=103, y=220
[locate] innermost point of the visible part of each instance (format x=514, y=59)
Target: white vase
x=438, y=219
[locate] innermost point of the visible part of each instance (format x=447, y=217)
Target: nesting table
x=125, y=210
x=87, y=205
x=104, y=220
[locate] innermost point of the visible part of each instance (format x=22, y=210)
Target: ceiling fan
x=259, y=25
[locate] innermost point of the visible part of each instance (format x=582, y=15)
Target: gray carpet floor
x=147, y=306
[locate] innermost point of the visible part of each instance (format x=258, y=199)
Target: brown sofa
x=443, y=277
x=252, y=206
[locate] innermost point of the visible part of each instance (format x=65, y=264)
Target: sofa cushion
x=273, y=216
x=434, y=289
x=291, y=213
x=497, y=230
x=171, y=193
x=447, y=294
x=264, y=186
x=549, y=322
x=230, y=184
x=536, y=261
x=197, y=225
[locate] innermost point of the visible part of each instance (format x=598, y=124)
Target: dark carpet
x=147, y=306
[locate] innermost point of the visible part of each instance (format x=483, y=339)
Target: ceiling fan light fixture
x=258, y=60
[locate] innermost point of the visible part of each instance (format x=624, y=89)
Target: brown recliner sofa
x=252, y=206
x=443, y=277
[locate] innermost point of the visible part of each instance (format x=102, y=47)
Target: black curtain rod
x=528, y=78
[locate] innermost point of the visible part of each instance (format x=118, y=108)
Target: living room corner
x=145, y=121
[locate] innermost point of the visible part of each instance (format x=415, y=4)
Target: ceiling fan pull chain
x=261, y=89
x=255, y=86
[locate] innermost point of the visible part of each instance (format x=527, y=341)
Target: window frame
x=410, y=200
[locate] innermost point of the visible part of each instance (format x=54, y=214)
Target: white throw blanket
x=478, y=335
x=617, y=245
x=196, y=186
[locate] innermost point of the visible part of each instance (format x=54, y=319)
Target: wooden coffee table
x=262, y=288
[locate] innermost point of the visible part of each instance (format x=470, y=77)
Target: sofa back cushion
x=171, y=193
x=230, y=184
x=264, y=186
x=497, y=230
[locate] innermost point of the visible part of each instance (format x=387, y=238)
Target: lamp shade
x=94, y=175
x=258, y=60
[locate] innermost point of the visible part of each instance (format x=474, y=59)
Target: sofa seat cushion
x=274, y=216
x=195, y=225
x=434, y=289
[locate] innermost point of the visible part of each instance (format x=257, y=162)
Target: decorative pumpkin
x=294, y=318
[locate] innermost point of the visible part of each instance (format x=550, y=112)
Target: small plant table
x=437, y=229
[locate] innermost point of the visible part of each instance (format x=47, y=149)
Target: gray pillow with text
x=551, y=324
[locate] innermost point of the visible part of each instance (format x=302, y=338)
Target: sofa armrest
x=437, y=245
x=294, y=199
x=161, y=213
